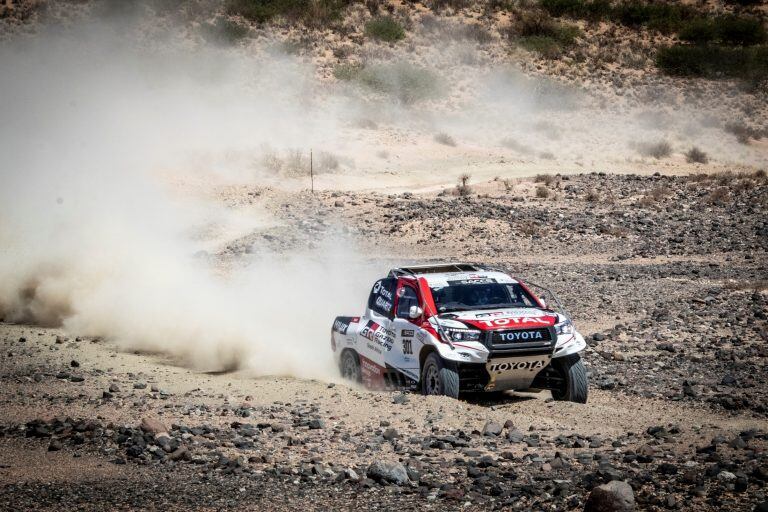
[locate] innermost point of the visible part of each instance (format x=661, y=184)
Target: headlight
x=462, y=334
x=564, y=328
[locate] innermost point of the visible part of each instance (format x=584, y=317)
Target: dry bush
x=516, y=146
x=546, y=179
x=617, y=231
x=296, y=163
x=655, y=195
x=542, y=192
x=509, y=185
x=696, y=156
x=529, y=229
x=743, y=132
x=658, y=150
x=327, y=162
x=757, y=285
x=462, y=188
x=718, y=195
x=445, y=139
x=592, y=196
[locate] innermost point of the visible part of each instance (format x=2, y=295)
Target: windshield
x=482, y=295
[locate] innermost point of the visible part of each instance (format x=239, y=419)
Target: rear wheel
x=439, y=377
x=350, y=366
x=572, y=379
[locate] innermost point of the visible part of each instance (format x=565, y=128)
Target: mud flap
x=515, y=372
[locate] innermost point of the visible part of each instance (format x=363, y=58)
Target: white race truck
x=452, y=328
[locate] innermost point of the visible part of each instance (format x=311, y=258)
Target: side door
x=375, y=335
x=405, y=352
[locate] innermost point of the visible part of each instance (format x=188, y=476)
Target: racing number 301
x=407, y=347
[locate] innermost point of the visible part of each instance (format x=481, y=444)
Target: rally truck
x=460, y=328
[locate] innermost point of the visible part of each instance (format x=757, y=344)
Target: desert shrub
x=697, y=156
x=744, y=3
x=445, y=139
x=750, y=63
x=311, y=12
x=731, y=30
x=592, y=196
x=224, y=30
x=657, y=150
x=617, y=231
x=384, y=28
x=718, y=196
x=462, y=188
x=403, y=81
x=593, y=10
x=476, y=32
x=542, y=192
x=539, y=32
x=327, y=162
x=347, y=71
x=439, y=5
x=546, y=179
x=742, y=132
x=664, y=17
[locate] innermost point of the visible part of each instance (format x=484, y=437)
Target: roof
x=447, y=273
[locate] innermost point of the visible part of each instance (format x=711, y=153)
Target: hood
x=493, y=319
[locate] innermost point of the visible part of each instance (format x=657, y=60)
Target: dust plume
x=94, y=236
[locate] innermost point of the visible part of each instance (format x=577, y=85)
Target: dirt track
x=676, y=326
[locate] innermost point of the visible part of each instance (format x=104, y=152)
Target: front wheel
x=350, y=366
x=439, y=377
x=572, y=379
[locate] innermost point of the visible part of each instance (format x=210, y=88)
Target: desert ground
x=130, y=380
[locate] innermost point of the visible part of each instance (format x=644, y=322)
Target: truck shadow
x=488, y=399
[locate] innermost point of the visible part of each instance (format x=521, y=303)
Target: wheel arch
x=423, y=355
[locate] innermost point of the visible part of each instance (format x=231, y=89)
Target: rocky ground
x=665, y=276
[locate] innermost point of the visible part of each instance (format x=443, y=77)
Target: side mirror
x=415, y=312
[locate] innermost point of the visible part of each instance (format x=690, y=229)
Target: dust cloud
x=96, y=239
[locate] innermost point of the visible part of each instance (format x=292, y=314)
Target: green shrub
x=745, y=3
x=384, y=28
x=402, y=81
x=732, y=30
x=749, y=63
x=311, y=12
x=593, y=10
x=540, y=33
x=663, y=17
x=347, y=72
x=223, y=30
x=545, y=46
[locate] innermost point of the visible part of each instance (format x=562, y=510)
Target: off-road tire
x=571, y=370
x=439, y=377
x=349, y=366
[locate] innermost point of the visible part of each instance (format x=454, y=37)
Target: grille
x=520, y=336
x=519, y=342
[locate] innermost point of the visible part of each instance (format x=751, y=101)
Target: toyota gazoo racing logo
x=375, y=332
x=507, y=366
x=521, y=335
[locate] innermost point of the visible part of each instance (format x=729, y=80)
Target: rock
x=598, y=336
x=140, y=385
x=338, y=203
x=761, y=507
x=388, y=472
x=400, y=399
x=152, y=426
x=390, y=434
x=492, y=428
x=114, y=388
x=666, y=347
x=351, y=474
x=74, y=364
x=515, y=436
x=180, y=453
x=76, y=378
x=614, y=496
x=726, y=476
x=55, y=445
x=316, y=424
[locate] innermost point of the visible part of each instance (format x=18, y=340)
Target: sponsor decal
x=340, y=326
x=408, y=333
x=369, y=367
x=516, y=365
x=521, y=335
x=373, y=348
x=472, y=280
x=508, y=321
x=407, y=346
x=376, y=333
x=421, y=336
